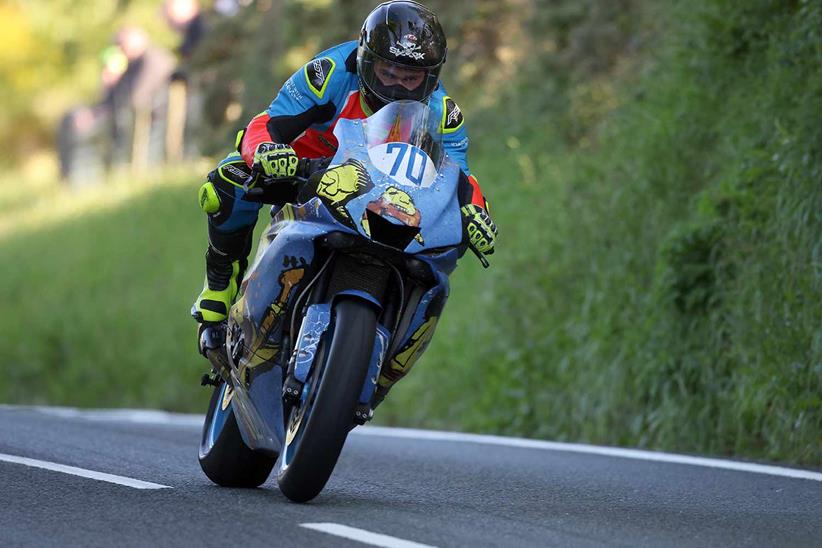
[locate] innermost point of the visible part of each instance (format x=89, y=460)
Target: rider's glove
x=481, y=230
x=275, y=160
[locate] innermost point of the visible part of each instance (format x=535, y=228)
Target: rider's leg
x=226, y=260
x=231, y=221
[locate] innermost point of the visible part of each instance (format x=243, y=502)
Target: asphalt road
x=437, y=492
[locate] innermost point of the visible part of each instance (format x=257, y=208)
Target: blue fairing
x=377, y=357
x=441, y=223
x=422, y=196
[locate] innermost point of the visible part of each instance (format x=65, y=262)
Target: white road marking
x=137, y=416
x=82, y=472
x=638, y=454
x=188, y=420
x=361, y=535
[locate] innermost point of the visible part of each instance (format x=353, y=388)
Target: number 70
x=400, y=149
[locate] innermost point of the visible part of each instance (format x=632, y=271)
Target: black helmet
x=401, y=51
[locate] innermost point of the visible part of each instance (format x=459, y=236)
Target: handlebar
x=305, y=168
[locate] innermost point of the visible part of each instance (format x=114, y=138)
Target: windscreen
x=404, y=141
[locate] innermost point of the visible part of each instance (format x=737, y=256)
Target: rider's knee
x=221, y=197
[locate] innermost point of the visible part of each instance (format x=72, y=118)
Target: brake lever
x=259, y=192
x=307, y=166
x=480, y=256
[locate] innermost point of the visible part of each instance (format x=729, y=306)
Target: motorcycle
x=341, y=300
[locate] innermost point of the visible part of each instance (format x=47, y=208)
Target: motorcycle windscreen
x=411, y=197
x=404, y=141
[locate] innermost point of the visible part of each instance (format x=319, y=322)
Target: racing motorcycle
x=341, y=300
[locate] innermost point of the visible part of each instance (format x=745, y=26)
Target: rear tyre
x=224, y=458
x=311, y=452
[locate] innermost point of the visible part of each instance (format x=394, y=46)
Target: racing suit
x=304, y=115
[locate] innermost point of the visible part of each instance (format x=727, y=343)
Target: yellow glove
x=275, y=160
x=481, y=230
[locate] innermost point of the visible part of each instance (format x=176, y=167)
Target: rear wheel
x=319, y=425
x=224, y=458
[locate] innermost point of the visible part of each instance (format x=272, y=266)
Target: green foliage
x=50, y=62
x=671, y=300
x=101, y=302
x=654, y=170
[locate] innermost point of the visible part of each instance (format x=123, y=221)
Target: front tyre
x=224, y=458
x=316, y=440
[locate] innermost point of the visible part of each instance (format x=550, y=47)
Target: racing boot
x=226, y=261
x=219, y=289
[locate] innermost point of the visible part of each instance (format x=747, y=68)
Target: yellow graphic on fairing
x=401, y=364
x=342, y=182
x=264, y=354
x=394, y=203
x=401, y=201
x=259, y=350
x=229, y=392
x=288, y=279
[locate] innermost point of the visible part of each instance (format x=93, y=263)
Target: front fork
x=315, y=324
x=383, y=373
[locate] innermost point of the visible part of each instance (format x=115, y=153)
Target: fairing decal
x=418, y=335
x=436, y=213
x=375, y=367
x=316, y=322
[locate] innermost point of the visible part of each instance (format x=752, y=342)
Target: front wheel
x=224, y=457
x=318, y=427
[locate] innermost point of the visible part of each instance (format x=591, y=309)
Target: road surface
x=131, y=478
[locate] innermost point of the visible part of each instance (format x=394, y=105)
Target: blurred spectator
x=184, y=97
x=185, y=17
x=81, y=143
x=115, y=64
x=139, y=100
x=229, y=8
x=74, y=140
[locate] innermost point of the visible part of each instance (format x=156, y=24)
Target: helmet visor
x=392, y=81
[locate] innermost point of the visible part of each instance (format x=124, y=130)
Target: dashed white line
x=361, y=535
x=82, y=472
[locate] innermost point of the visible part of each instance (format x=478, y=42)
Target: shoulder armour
x=452, y=118
x=318, y=73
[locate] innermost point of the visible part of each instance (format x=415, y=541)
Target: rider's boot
x=226, y=261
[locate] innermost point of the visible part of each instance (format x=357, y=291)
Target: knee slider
x=208, y=198
x=216, y=196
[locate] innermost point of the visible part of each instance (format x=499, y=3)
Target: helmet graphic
x=401, y=51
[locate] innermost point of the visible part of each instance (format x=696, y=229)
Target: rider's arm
x=480, y=230
x=469, y=189
x=455, y=141
x=456, y=145
x=304, y=100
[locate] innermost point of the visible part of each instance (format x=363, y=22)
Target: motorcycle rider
x=399, y=55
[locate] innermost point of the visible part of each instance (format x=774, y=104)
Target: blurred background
x=654, y=168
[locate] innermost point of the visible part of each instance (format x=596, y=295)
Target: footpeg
x=209, y=380
x=212, y=346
